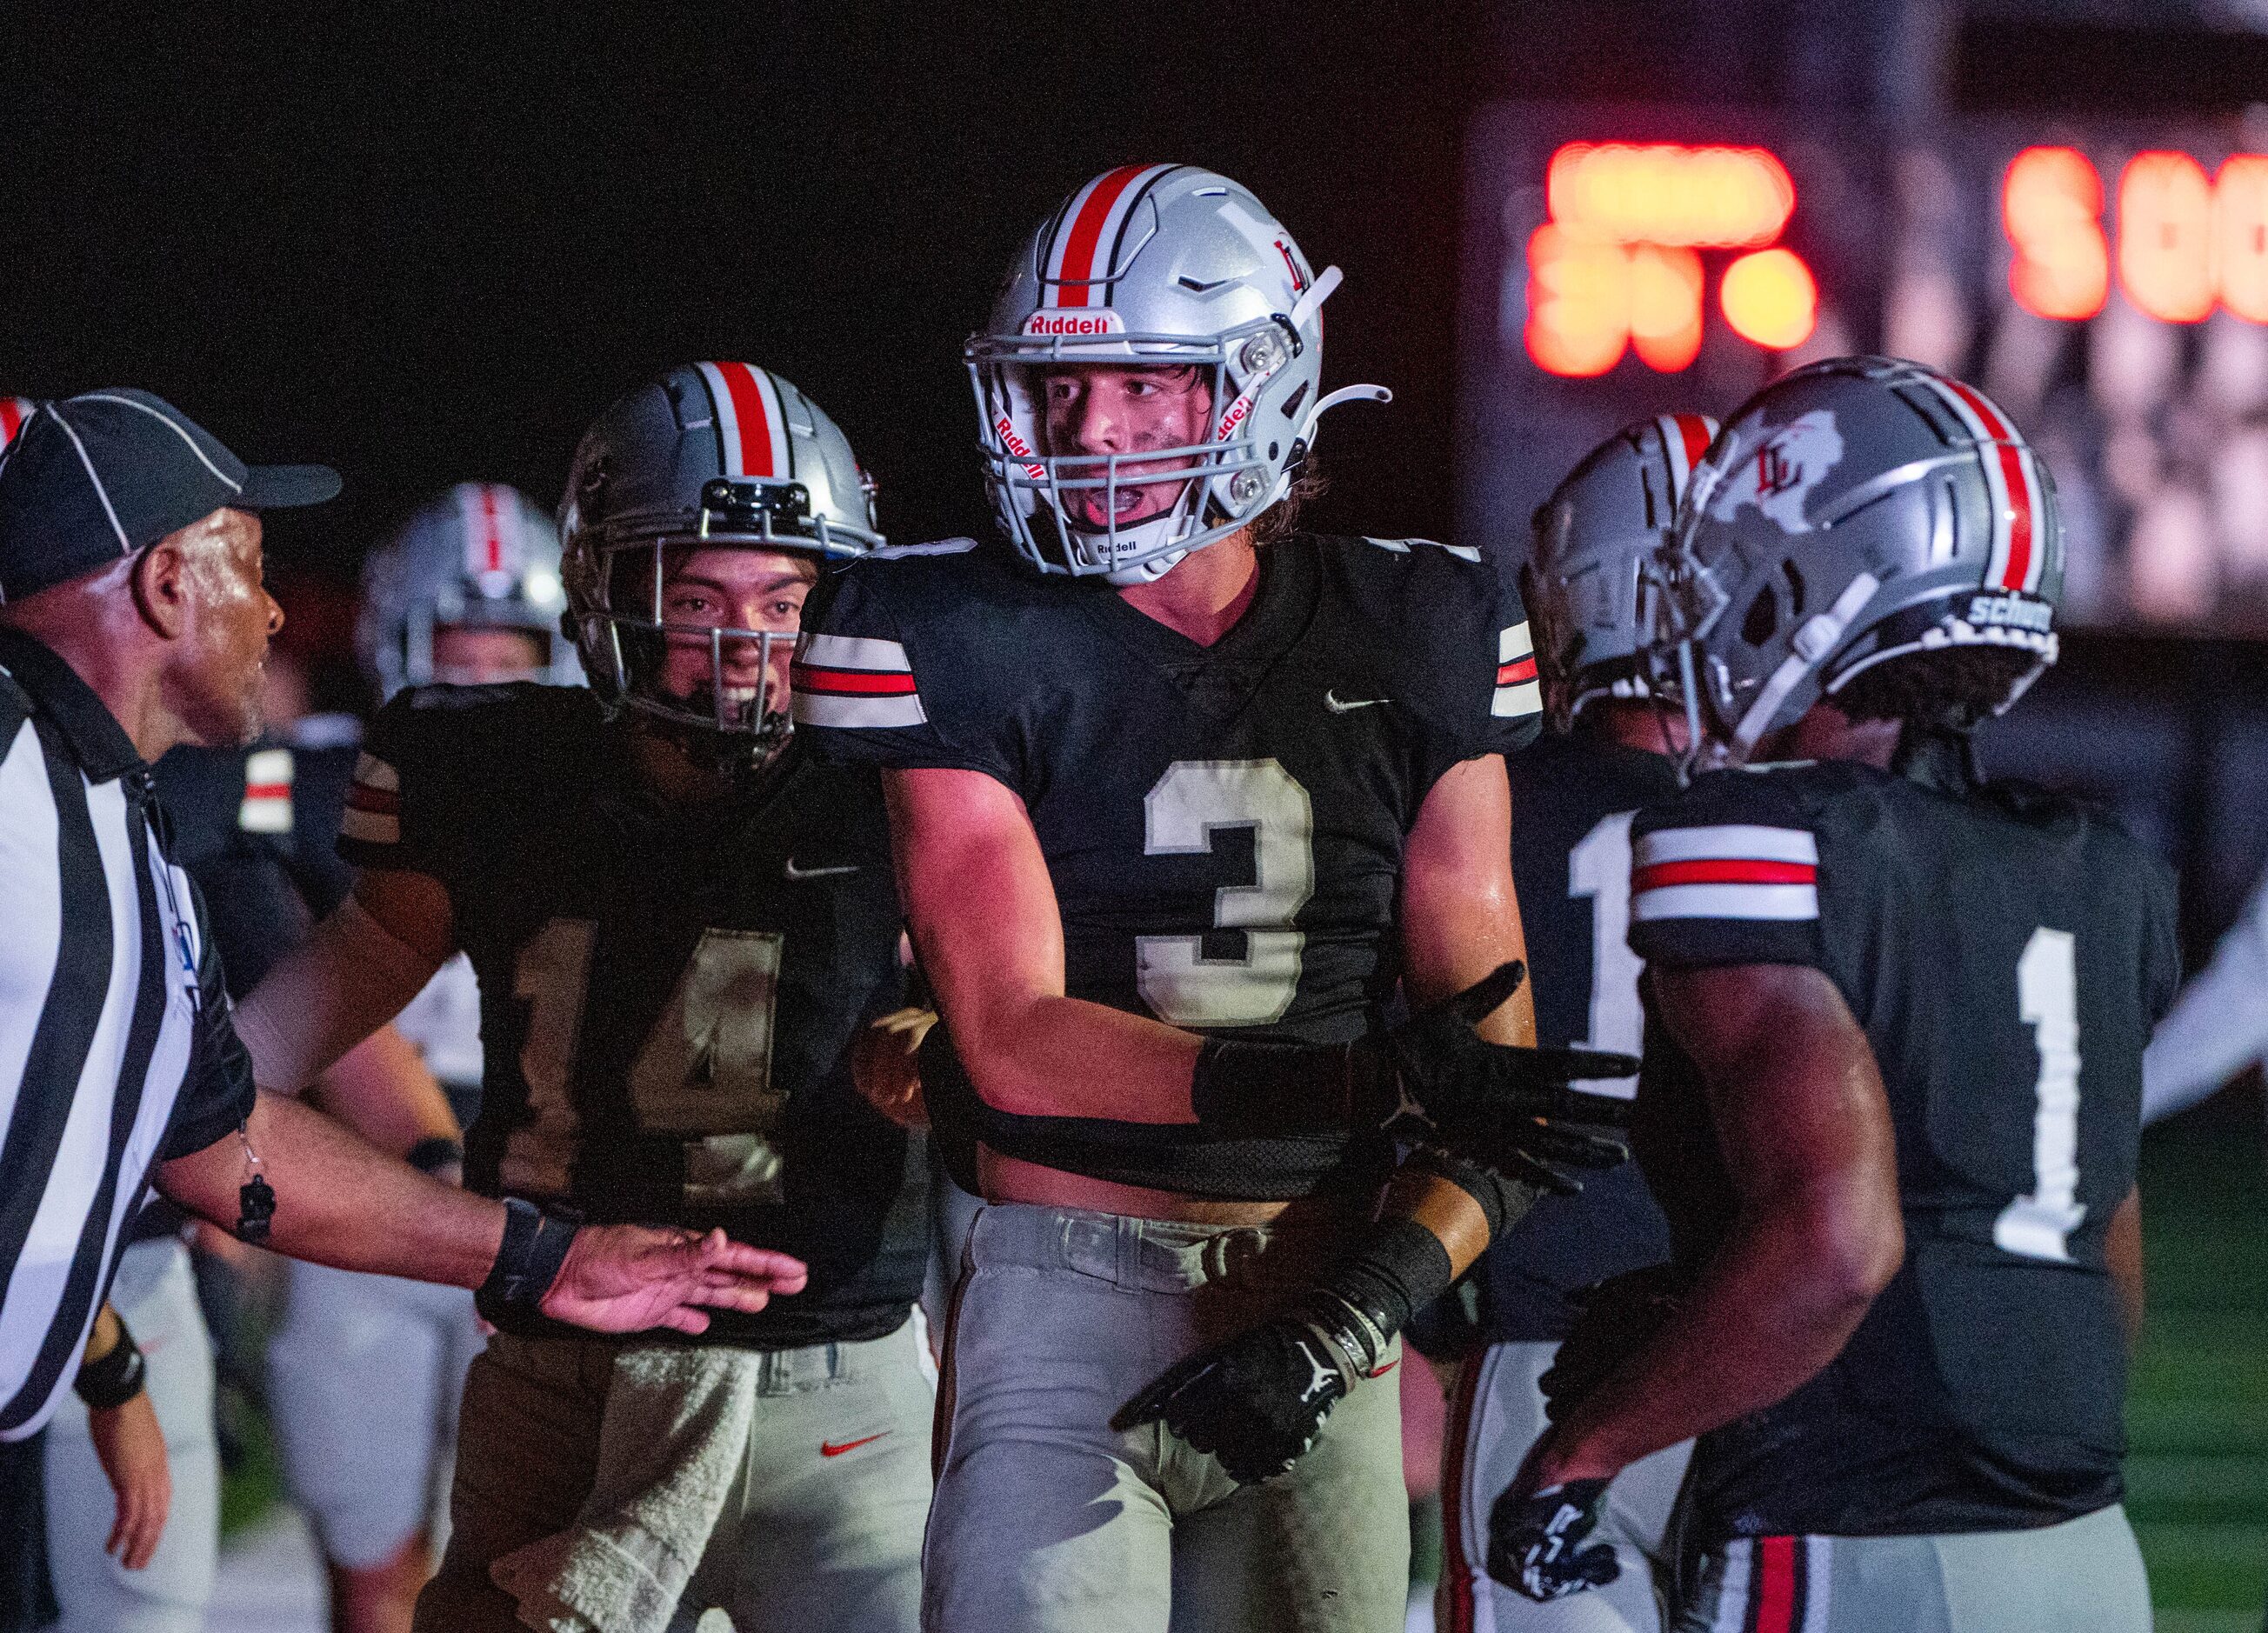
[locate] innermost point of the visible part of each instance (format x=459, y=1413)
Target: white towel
x=670, y=1450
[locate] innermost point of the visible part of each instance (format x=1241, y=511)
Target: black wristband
x=435, y=1152
x=116, y=1379
x=1242, y=1087
x=1401, y=1269
x=535, y=1247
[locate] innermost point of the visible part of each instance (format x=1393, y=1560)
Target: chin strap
x=1317, y=293
x=1810, y=646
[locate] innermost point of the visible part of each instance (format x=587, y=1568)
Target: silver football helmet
x=1155, y=265
x=483, y=555
x=711, y=455
x=1595, y=537
x=1854, y=511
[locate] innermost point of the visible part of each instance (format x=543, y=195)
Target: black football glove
x=1536, y=1543
x=1615, y=1319
x=1257, y=1400
x=1437, y=1082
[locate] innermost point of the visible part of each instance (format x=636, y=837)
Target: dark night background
x=430, y=244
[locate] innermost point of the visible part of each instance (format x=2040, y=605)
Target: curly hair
x=1951, y=685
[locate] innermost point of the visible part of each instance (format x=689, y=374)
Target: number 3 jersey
x=1223, y=825
x=2006, y=954
x=668, y=993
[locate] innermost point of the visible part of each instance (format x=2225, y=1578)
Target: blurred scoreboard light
x=1618, y=267
x=2105, y=279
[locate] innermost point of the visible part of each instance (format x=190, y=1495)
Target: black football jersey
x=1223, y=825
x=668, y=993
x=1572, y=801
x=256, y=827
x=2007, y=954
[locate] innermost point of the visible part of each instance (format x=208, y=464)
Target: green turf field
x=2197, y=1414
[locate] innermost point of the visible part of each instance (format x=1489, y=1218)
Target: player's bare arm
x=2122, y=1255
x=339, y=1200
x=1807, y=1136
x=353, y=975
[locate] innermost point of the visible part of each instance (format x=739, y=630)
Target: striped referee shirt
x=116, y=1047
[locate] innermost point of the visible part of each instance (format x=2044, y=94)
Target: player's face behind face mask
x=730, y=618
x=470, y=655
x=1102, y=411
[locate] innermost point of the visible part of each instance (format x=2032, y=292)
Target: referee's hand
x=627, y=1278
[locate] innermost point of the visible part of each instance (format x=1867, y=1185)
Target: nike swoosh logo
x=837, y=1448
x=794, y=871
x=1332, y=701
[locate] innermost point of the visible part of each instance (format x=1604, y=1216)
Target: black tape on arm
x=1242, y=1087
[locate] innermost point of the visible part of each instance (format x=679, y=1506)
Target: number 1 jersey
x=668, y=993
x=1223, y=825
x=2008, y=953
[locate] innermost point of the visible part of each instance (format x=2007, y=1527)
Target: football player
x=364, y=1375
x=679, y=920
x=1607, y=754
x=1176, y=799
x=1896, y=1024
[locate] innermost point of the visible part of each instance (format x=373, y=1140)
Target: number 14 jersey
x=1223, y=825
x=2007, y=954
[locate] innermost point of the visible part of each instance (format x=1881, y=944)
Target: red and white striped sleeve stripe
x=373, y=814
x=2019, y=556
x=1518, y=692
x=14, y=412
x=1774, y=1585
x=1737, y=870
x=1079, y=257
x=267, y=805
x=751, y=427
x=1685, y=437
x=854, y=681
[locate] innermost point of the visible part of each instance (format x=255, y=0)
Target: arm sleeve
x=1465, y=623
x=216, y=1090
x=1727, y=874
x=871, y=688
x=2218, y=1026
x=397, y=806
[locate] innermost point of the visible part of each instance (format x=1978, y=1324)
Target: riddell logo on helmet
x=1238, y=411
x=1057, y=321
x=1018, y=446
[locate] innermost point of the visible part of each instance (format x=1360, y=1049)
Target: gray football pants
x=157, y=1298
x=1496, y=1417
x=2084, y=1576
x=821, y=1533
x=1047, y=1520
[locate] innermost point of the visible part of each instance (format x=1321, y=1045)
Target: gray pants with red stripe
x=1496, y=1415
x=2084, y=1576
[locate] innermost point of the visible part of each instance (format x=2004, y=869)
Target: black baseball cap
x=99, y=477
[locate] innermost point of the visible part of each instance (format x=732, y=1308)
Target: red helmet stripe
x=2017, y=574
x=492, y=528
x=751, y=430
x=1696, y=432
x=1075, y=266
x=14, y=412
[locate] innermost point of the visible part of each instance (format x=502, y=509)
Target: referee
x=132, y=618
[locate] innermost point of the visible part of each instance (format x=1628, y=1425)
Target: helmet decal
x=752, y=436
x=1786, y=463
